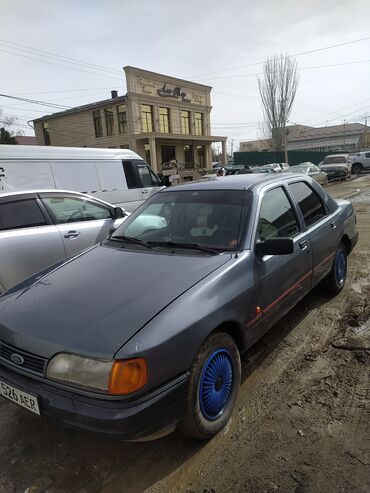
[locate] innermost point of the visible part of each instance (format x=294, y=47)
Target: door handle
x=333, y=225
x=303, y=245
x=72, y=234
x=145, y=191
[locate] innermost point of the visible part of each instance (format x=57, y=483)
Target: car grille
x=31, y=363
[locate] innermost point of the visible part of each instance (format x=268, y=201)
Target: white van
x=118, y=176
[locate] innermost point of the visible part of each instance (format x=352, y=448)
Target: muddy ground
x=301, y=422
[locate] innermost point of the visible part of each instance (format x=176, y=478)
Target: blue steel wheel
x=216, y=384
x=213, y=386
x=340, y=267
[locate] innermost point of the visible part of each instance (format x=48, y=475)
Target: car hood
x=334, y=166
x=97, y=301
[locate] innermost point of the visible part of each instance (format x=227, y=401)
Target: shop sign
x=176, y=92
x=146, y=84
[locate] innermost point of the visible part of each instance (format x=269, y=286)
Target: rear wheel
x=213, y=387
x=336, y=278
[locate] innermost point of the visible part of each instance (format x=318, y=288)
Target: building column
x=208, y=156
x=224, y=155
x=153, y=154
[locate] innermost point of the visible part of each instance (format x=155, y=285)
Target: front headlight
x=114, y=377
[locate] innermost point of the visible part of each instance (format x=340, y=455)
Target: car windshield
x=204, y=218
x=299, y=168
x=335, y=159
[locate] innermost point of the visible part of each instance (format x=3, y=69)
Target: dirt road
x=300, y=423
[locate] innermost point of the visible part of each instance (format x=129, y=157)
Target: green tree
x=6, y=134
x=6, y=137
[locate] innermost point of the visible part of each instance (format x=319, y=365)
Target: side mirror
x=275, y=246
x=119, y=213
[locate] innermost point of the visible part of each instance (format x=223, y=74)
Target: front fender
x=171, y=340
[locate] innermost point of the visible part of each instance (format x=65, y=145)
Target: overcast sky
x=211, y=42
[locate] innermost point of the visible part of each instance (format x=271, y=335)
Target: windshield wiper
x=192, y=246
x=130, y=239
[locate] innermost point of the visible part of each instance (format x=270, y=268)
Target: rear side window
x=277, y=217
x=309, y=202
x=73, y=209
x=20, y=214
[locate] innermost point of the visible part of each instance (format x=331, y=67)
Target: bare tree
x=278, y=87
x=7, y=135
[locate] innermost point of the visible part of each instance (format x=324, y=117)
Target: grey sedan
x=143, y=333
x=39, y=228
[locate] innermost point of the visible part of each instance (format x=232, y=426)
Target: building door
x=188, y=154
x=168, y=153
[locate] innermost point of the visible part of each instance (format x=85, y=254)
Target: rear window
x=20, y=214
x=335, y=159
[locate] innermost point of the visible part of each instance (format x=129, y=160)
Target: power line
x=41, y=103
x=48, y=54
x=60, y=65
x=294, y=55
x=63, y=91
x=299, y=70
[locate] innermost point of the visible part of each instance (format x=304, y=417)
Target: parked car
x=274, y=166
x=40, y=228
x=262, y=169
x=237, y=170
x=310, y=169
x=360, y=162
x=143, y=333
x=284, y=166
x=337, y=166
x=118, y=176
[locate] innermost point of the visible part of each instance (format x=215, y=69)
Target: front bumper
x=143, y=418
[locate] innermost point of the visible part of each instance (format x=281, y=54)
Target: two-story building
x=161, y=118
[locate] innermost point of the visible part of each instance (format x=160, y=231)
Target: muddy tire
x=213, y=387
x=335, y=280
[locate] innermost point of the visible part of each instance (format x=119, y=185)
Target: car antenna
x=240, y=223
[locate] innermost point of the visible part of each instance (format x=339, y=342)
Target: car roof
x=51, y=190
x=234, y=182
x=337, y=155
x=54, y=152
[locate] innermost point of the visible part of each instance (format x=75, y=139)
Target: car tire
x=336, y=279
x=356, y=168
x=213, y=387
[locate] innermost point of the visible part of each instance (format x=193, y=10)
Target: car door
x=321, y=227
x=29, y=242
x=284, y=279
x=81, y=221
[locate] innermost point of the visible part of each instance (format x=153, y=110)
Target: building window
x=122, y=119
x=146, y=118
x=45, y=128
x=198, y=123
x=164, y=120
x=185, y=122
x=201, y=156
x=97, y=123
x=147, y=153
x=109, y=120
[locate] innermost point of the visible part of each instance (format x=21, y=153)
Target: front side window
x=145, y=176
x=164, y=120
x=109, y=120
x=309, y=202
x=122, y=119
x=20, y=214
x=198, y=123
x=213, y=218
x=45, y=128
x=185, y=122
x=97, y=123
x=73, y=209
x=146, y=118
x=277, y=218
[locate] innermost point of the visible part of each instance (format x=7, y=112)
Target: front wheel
x=356, y=169
x=335, y=280
x=213, y=387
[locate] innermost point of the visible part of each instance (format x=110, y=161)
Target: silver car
x=40, y=228
x=310, y=169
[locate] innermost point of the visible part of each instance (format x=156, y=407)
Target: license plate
x=21, y=398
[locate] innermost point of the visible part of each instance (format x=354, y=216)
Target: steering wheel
x=76, y=216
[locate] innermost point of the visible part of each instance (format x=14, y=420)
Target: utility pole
x=286, y=133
